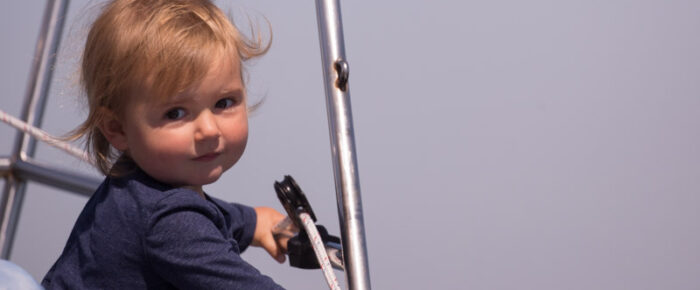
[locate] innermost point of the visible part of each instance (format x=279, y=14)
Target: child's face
x=193, y=138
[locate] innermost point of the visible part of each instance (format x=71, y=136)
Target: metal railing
x=19, y=168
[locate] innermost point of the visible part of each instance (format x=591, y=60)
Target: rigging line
x=320, y=251
x=43, y=136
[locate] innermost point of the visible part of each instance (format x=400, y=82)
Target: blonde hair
x=166, y=45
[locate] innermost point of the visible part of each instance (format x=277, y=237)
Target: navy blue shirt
x=137, y=233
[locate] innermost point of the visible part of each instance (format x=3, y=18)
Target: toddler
x=167, y=115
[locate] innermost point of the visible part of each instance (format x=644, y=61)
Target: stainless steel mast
x=347, y=182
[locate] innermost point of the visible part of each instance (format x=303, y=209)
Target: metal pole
x=82, y=185
x=35, y=100
x=347, y=183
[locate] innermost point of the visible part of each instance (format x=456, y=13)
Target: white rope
x=320, y=251
x=41, y=135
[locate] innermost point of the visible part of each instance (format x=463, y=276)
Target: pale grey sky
x=501, y=144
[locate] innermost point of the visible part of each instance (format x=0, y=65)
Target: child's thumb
x=269, y=244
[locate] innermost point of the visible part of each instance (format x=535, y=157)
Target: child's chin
x=202, y=177
x=209, y=178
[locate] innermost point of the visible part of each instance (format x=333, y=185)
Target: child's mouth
x=207, y=157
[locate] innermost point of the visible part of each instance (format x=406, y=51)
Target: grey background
x=501, y=144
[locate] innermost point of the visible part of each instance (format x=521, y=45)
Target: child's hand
x=263, y=237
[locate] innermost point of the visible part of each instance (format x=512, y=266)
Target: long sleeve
x=192, y=244
x=241, y=219
x=137, y=233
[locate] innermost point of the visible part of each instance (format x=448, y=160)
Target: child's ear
x=113, y=129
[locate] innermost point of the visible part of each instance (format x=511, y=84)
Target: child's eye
x=225, y=103
x=175, y=114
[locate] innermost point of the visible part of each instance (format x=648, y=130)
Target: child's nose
x=206, y=126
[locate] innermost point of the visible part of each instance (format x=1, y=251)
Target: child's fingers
x=270, y=245
x=264, y=237
x=282, y=241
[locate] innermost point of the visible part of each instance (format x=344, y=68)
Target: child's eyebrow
x=184, y=97
x=236, y=91
x=174, y=101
